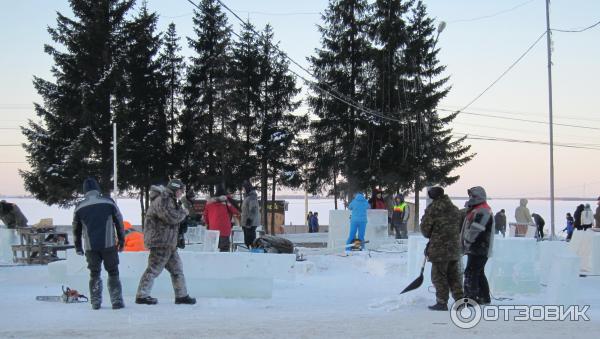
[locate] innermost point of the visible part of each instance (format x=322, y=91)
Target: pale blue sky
x=476, y=48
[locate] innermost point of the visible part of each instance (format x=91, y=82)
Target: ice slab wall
x=339, y=228
x=416, y=254
x=8, y=237
x=513, y=266
x=586, y=244
x=548, y=251
x=228, y=275
x=563, y=282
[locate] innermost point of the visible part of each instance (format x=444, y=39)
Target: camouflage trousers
x=163, y=258
x=446, y=277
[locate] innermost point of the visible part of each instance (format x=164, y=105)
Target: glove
x=79, y=251
x=121, y=245
x=180, y=241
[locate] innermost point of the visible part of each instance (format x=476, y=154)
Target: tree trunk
x=416, y=214
x=335, y=191
x=263, y=193
x=273, y=205
x=143, y=211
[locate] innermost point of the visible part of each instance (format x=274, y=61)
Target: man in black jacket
x=539, y=223
x=477, y=240
x=99, y=220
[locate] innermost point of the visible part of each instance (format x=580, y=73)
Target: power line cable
x=504, y=73
x=576, y=30
x=523, y=141
x=518, y=119
x=452, y=108
x=492, y=15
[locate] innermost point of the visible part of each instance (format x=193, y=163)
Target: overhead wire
x=576, y=30
x=504, y=73
x=519, y=119
x=492, y=15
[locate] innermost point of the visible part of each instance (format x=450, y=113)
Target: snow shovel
x=417, y=282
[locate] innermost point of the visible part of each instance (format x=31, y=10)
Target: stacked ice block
x=339, y=228
x=416, y=255
x=513, y=267
x=228, y=275
x=563, y=281
x=8, y=237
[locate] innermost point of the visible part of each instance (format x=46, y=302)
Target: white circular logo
x=466, y=313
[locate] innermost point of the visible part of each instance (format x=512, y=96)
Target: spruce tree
x=278, y=126
x=245, y=100
x=172, y=67
x=73, y=140
x=205, y=135
x=342, y=65
x=142, y=110
x=436, y=155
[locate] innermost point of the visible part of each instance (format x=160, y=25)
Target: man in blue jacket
x=99, y=220
x=358, y=220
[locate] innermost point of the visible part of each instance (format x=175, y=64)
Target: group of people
x=99, y=233
x=312, y=220
x=453, y=233
x=582, y=219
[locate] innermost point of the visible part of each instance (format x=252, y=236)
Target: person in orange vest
x=134, y=240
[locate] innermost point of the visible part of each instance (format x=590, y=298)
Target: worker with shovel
x=441, y=225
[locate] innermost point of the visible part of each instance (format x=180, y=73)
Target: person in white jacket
x=587, y=217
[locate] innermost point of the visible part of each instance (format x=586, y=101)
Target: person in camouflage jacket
x=160, y=236
x=441, y=225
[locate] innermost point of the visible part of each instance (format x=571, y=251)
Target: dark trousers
x=249, y=235
x=540, y=230
x=110, y=257
x=476, y=284
x=224, y=244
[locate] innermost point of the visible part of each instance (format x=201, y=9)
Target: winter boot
x=115, y=291
x=146, y=300
x=96, y=292
x=185, y=300
x=438, y=307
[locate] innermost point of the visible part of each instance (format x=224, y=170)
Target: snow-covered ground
x=342, y=297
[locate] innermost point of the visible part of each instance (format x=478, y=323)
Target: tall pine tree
x=74, y=139
x=172, y=67
x=141, y=108
x=278, y=126
x=245, y=100
x=205, y=135
x=342, y=64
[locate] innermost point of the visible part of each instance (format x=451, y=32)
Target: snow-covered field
x=342, y=297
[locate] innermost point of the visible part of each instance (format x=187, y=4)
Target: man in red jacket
x=217, y=216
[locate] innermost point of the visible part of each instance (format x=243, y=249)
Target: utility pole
x=549, y=46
